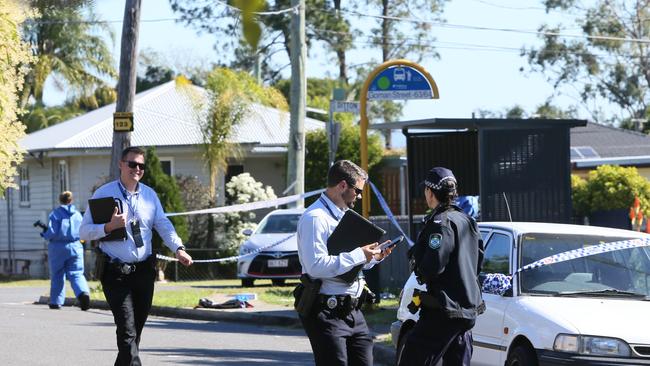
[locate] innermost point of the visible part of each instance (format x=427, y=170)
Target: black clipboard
x=353, y=231
x=101, y=210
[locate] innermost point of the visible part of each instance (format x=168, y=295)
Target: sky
x=470, y=74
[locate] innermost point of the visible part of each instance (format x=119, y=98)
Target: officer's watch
x=182, y=247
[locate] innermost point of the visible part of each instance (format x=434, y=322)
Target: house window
x=167, y=165
x=24, y=185
x=63, y=176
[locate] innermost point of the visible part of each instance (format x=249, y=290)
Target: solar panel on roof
x=575, y=154
x=588, y=152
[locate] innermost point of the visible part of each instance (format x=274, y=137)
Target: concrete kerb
x=383, y=355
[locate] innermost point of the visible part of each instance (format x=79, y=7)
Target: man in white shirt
x=129, y=264
x=336, y=328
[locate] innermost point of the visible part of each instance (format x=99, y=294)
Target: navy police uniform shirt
x=448, y=255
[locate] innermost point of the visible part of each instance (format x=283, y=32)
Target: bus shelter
x=523, y=164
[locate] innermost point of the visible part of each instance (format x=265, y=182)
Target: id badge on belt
x=137, y=235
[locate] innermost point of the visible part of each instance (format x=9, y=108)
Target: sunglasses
x=133, y=164
x=357, y=190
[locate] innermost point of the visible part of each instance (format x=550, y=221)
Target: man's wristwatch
x=181, y=247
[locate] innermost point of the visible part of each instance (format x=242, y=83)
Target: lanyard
x=131, y=206
x=328, y=208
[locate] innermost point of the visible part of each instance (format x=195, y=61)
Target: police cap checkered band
x=437, y=176
x=438, y=186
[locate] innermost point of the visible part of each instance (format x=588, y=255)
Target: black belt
x=344, y=303
x=127, y=268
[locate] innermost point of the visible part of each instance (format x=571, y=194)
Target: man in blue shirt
x=129, y=274
x=336, y=328
x=65, y=253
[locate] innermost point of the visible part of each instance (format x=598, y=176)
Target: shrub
x=241, y=189
x=610, y=188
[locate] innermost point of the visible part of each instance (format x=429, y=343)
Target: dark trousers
x=129, y=297
x=438, y=340
x=337, y=338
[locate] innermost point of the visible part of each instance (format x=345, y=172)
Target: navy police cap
x=438, y=175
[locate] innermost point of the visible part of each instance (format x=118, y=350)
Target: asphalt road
x=35, y=335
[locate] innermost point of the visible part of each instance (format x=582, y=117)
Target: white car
x=592, y=310
x=278, y=262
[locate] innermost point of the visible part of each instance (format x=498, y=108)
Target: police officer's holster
x=306, y=294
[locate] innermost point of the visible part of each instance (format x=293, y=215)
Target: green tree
x=607, y=65
x=15, y=55
x=397, y=39
x=169, y=195
x=66, y=43
x=316, y=148
x=38, y=116
x=230, y=95
x=322, y=24
x=546, y=111
x=319, y=94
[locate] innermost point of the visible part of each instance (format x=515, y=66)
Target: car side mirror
x=496, y=284
x=247, y=232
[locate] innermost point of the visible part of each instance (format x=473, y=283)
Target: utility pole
x=126, y=81
x=298, y=101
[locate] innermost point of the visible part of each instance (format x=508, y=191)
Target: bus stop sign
x=400, y=82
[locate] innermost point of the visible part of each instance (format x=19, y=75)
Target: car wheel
x=401, y=342
x=247, y=282
x=278, y=282
x=522, y=355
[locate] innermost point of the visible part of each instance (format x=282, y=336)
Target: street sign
x=400, y=82
x=346, y=107
x=123, y=121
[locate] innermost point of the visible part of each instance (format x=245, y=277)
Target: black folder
x=353, y=231
x=101, y=210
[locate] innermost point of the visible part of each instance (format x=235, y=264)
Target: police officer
x=447, y=258
x=336, y=328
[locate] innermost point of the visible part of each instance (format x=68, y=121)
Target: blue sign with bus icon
x=399, y=82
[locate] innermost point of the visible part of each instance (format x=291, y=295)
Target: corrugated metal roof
x=164, y=116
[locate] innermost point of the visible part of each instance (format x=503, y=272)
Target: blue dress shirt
x=314, y=228
x=144, y=205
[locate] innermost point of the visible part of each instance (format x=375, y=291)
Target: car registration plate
x=275, y=263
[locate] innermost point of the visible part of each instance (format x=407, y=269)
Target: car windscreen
x=624, y=270
x=278, y=224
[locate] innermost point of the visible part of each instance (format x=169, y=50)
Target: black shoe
x=84, y=301
x=55, y=306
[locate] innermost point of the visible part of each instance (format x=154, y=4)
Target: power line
x=400, y=19
x=510, y=7
x=509, y=30
x=372, y=40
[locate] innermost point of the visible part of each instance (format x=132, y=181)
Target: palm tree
x=67, y=45
x=230, y=95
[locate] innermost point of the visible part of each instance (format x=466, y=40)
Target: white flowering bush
x=242, y=188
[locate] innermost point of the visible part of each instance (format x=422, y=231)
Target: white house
x=74, y=155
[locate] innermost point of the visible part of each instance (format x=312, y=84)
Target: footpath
x=261, y=313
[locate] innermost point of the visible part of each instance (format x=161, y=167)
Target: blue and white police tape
x=389, y=214
x=228, y=259
x=250, y=205
x=588, y=251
